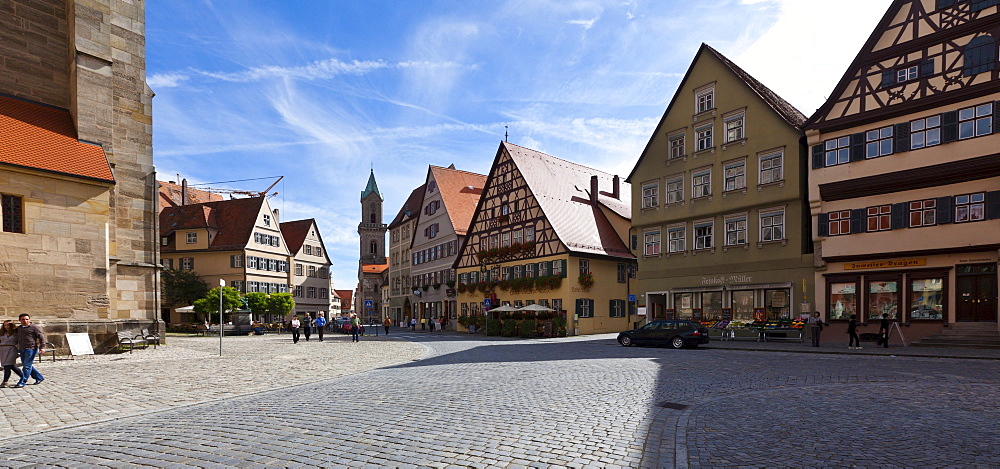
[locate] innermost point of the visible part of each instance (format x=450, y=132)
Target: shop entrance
x=976, y=292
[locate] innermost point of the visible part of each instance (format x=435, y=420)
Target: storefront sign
x=887, y=264
x=726, y=279
x=727, y=314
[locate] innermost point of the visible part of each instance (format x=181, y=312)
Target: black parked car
x=677, y=333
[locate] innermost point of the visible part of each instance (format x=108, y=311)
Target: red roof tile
x=295, y=233
x=374, y=268
x=460, y=191
x=44, y=138
x=170, y=195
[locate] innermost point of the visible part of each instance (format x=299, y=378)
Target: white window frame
x=767, y=225
x=837, y=151
x=267, y=220
x=651, y=243
x=772, y=167
x=978, y=119
x=703, y=137
x=925, y=132
x=705, y=239
x=674, y=189
x=701, y=183
x=651, y=194
x=907, y=73
x=735, y=172
x=676, y=239
x=676, y=146
x=735, y=129
x=879, y=142
x=704, y=100
x=191, y=238
x=736, y=230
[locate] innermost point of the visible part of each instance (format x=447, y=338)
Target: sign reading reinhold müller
x=727, y=279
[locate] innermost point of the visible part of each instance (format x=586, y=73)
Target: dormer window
x=267, y=220
x=192, y=238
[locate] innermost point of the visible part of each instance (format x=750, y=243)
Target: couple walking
x=25, y=341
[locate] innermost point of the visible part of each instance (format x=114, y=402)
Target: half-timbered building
x=906, y=171
x=551, y=232
x=719, y=202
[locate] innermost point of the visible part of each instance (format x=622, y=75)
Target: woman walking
x=852, y=329
x=8, y=351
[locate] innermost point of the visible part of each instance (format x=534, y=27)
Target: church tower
x=371, y=228
x=372, y=263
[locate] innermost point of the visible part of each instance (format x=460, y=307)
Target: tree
x=209, y=305
x=182, y=287
x=280, y=304
x=258, y=303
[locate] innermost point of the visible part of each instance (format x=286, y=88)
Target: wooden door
x=977, y=293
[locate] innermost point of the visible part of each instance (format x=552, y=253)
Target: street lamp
x=222, y=283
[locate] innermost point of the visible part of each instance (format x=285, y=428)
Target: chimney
x=184, y=191
x=616, y=189
x=276, y=219
x=593, y=190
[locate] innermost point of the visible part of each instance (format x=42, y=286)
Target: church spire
x=371, y=187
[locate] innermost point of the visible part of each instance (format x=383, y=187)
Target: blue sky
x=320, y=91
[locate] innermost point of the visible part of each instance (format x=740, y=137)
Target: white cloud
x=587, y=24
x=165, y=80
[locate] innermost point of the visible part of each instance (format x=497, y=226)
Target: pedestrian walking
x=296, y=324
x=307, y=324
x=29, y=341
x=386, y=325
x=423, y=324
x=8, y=351
x=852, y=330
x=320, y=324
x=815, y=327
x=355, y=327
x=413, y=324
x=883, y=331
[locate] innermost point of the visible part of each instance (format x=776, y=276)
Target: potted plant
x=586, y=280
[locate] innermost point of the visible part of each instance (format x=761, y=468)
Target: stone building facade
x=85, y=260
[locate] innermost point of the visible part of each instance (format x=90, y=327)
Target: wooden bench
x=131, y=339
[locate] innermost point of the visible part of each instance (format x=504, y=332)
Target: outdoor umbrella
x=504, y=309
x=535, y=307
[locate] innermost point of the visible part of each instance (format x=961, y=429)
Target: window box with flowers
x=586, y=280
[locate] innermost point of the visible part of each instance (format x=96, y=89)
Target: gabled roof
x=44, y=138
x=345, y=297
x=782, y=108
x=372, y=187
x=460, y=191
x=410, y=208
x=562, y=190
x=170, y=195
x=234, y=219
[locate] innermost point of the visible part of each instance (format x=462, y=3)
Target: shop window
x=880, y=218
x=923, y=213
x=843, y=300
x=743, y=304
x=970, y=207
x=684, y=305
x=925, y=132
x=883, y=298
x=878, y=142
x=840, y=222
x=711, y=305
x=777, y=303
x=927, y=298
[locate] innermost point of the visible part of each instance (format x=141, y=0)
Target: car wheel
x=677, y=342
x=625, y=340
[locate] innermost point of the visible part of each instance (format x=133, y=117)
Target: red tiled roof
x=170, y=195
x=295, y=233
x=345, y=297
x=44, y=138
x=374, y=268
x=234, y=219
x=413, y=203
x=460, y=191
x=562, y=190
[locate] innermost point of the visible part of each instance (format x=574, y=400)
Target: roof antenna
x=505, y=134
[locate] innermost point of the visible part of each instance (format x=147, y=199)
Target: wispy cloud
x=165, y=80
x=587, y=24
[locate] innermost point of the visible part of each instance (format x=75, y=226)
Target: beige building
x=550, y=232
x=905, y=173
x=449, y=200
x=719, y=212
x=238, y=241
x=310, y=280
x=79, y=237
x=401, y=231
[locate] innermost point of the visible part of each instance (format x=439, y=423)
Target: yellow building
x=550, y=232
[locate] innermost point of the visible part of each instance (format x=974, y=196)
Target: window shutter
x=993, y=205
x=635, y=242
x=888, y=78
x=944, y=3
x=590, y=303
x=232, y=261
x=824, y=224
x=817, y=153
x=858, y=220
x=996, y=117
x=858, y=146
x=926, y=68
x=563, y=261
x=943, y=214
x=611, y=307
x=949, y=126
x=579, y=305
x=901, y=137
x=900, y=214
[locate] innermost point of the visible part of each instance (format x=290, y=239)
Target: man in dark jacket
x=883, y=331
x=29, y=341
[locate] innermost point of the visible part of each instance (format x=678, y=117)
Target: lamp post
x=222, y=283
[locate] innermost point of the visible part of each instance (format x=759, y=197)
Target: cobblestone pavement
x=575, y=402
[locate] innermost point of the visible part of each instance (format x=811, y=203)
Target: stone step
x=960, y=340
x=972, y=326
x=947, y=333
x=982, y=346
